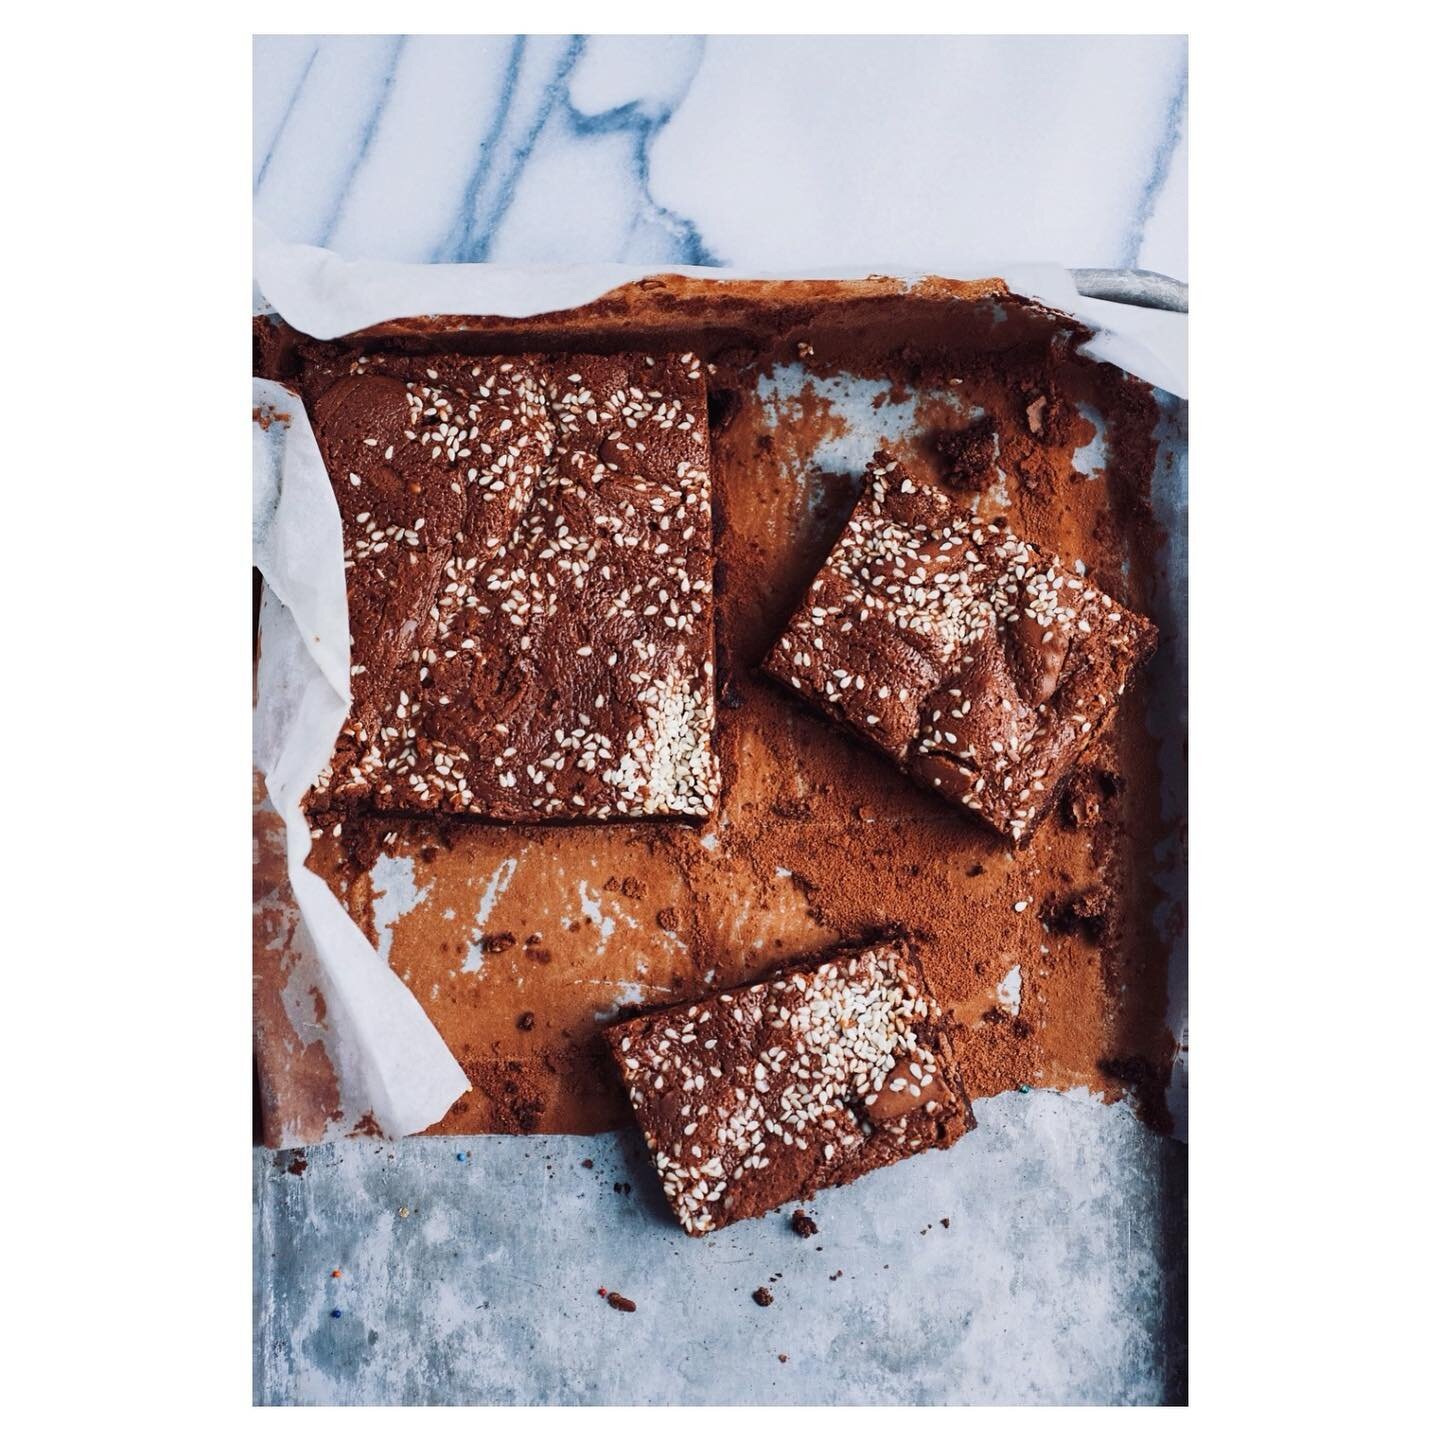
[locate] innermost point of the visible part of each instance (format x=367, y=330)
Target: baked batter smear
x=523, y=940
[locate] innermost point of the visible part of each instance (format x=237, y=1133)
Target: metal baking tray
x=1041, y=1260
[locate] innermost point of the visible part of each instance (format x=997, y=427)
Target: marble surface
x=768, y=152
x=468, y=1275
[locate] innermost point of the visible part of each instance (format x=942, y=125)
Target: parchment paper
x=391, y=1065
x=324, y=295
x=388, y=1058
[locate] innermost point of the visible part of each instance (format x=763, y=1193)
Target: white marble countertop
x=948, y=152
x=462, y=1276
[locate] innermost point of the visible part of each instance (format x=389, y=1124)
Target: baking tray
x=549, y=1223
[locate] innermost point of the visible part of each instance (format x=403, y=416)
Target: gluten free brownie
x=978, y=663
x=529, y=569
x=756, y=1097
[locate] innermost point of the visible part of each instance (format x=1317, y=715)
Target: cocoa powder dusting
x=818, y=840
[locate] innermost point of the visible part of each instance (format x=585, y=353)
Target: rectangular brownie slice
x=755, y=1097
x=979, y=664
x=529, y=568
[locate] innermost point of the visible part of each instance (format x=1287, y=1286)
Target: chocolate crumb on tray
x=529, y=568
x=755, y=1097
x=979, y=664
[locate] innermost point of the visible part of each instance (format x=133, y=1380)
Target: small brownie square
x=528, y=561
x=978, y=663
x=760, y=1096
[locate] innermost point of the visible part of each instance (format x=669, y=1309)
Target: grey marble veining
x=763, y=152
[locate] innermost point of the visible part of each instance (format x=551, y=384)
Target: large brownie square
x=528, y=559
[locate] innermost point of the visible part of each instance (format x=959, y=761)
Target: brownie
x=528, y=560
x=978, y=663
x=756, y=1097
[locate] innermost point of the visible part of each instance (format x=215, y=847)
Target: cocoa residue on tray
x=817, y=839
x=297, y=1090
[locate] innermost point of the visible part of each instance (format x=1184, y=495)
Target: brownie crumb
x=588, y=1164
x=1085, y=797
x=628, y=886
x=784, y=1359
x=945, y=1221
x=967, y=454
x=1085, y=913
x=763, y=1297
x=803, y=1225
x=616, y=1301
x=525, y=1020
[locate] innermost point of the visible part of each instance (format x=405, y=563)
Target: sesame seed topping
x=818, y=1061
x=498, y=526
x=1017, y=662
